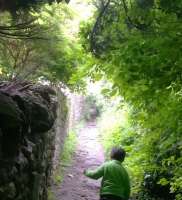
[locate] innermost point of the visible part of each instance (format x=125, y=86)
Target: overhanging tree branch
x=141, y=27
x=96, y=25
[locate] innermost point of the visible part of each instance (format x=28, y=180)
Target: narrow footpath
x=89, y=154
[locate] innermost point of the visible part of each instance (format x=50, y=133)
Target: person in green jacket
x=115, y=183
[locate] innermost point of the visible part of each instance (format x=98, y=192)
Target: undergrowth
x=118, y=127
x=51, y=195
x=66, y=156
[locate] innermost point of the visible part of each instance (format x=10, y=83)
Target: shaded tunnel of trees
x=135, y=45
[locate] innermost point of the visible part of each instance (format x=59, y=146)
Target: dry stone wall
x=61, y=127
x=29, y=139
x=76, y=109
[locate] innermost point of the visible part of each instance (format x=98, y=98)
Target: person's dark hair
x=117, y=153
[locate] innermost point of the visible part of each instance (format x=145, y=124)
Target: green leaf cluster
x=138, y=49
x=52, y=55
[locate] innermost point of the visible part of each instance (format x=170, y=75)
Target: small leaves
x=163, y=181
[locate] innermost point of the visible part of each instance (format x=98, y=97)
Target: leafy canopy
x=137, y=46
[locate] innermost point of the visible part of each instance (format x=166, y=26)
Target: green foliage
x=51, y=195
x=138, y=48
x=66, y=156
x=15, y=5
x=53, y=57
x=119, y=128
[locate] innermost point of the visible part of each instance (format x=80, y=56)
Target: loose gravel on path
x=89, y=154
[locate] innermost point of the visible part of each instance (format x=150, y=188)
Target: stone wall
x=76, y=109
x=28, y=143
x=61, y=127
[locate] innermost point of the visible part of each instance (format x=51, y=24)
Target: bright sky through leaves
x=83, y=10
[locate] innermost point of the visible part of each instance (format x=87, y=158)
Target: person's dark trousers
x=110, y=197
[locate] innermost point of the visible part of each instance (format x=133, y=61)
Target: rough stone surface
x=76, y=109
x=27, y=138
x=61, y=129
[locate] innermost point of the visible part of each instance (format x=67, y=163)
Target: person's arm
x=95, y=174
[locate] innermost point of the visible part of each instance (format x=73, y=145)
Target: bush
x=153, y=160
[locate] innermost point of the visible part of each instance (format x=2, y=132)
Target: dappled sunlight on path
x=89, y=154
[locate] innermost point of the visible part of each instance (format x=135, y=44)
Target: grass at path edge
x=66, y=156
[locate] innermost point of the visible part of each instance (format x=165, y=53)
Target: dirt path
x=89, y=154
